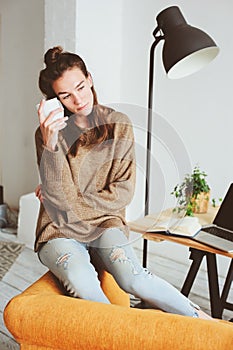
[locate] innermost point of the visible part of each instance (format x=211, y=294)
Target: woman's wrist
x=51, y=148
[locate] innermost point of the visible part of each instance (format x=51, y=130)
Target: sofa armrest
x=53, y=321
x=49, y=284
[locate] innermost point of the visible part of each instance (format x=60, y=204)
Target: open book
x=186, y=227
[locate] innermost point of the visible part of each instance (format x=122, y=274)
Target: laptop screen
x=224, y=217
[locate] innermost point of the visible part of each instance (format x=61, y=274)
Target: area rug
x=9, y=251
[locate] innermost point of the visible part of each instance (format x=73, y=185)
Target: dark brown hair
x=57, y=62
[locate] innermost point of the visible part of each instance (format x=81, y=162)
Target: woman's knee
x=83, y=283
x=135, y=280
x=70, y=262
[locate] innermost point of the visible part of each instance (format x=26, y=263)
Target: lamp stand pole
x=149, y=127
x=182, y=41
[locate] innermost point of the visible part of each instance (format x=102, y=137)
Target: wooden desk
x=218, y=301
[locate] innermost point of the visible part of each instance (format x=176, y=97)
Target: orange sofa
x=44, y=318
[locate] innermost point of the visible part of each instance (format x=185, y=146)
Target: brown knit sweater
x=87, y=193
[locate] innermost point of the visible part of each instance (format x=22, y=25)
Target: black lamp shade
x=186, y=49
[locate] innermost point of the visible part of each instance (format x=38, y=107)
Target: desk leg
x=197, y=257
x=226, y=288
x=215, y=301
x=144, y=259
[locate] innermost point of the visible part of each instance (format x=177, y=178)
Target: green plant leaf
x=191, y=186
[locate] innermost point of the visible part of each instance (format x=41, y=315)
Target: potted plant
x=193, y=193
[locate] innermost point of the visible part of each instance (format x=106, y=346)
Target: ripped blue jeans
x=69, y=261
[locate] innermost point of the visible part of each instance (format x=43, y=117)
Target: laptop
x=220, y=233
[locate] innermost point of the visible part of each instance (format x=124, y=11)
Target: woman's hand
x=38, y=192
x=50, y=127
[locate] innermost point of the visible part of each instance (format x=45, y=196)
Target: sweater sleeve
x=51, y=168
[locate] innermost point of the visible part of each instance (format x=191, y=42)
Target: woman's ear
x=90, y=80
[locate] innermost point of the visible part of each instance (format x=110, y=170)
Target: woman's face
x=74, y=91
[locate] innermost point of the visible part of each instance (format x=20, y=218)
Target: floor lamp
x=186, y=50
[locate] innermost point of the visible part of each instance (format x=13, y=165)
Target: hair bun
x=52, y=55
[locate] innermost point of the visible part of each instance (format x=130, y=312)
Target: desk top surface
x=143, y=224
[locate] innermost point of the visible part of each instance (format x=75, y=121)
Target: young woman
x=87, y=166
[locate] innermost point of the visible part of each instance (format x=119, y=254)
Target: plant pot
x=200, y=203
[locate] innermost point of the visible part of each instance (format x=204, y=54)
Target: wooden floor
x=24, y=271
x=27, y=269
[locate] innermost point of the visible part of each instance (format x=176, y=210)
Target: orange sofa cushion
x=43, y=318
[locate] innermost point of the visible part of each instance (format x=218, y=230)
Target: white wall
x=60, y=24
x=115, y=37
x=99, y=43
x=28, y=28
x=198, y=107
x=21, y=39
